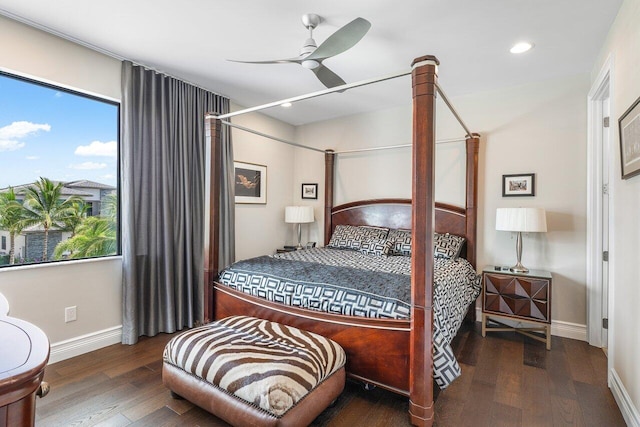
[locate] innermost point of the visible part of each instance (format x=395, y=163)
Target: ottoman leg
x=176, y=395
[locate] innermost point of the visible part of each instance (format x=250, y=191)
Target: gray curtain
x=162, y=161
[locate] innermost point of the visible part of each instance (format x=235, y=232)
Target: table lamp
x=528, y=220
x=298, y=215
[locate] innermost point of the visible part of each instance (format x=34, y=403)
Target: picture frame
x=629, y=131
x=250, y=182
x=519, y=185
x=310, y=191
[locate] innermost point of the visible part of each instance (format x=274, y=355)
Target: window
x=58, y=173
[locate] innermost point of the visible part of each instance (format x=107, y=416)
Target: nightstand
x=517, y=297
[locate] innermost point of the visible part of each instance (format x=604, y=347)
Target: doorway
x=599, y=193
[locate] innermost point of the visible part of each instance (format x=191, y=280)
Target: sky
x=48, y=132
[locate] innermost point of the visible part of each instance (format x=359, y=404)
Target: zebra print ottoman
x=253, y=372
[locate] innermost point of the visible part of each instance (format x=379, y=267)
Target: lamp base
x=519, y=268
x=299, y=237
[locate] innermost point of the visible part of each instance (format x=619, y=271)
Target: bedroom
x=517, y=123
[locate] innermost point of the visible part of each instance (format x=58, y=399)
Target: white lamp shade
x=521, y=219
x=298, y=214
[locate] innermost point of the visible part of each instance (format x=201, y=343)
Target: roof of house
x=71, y=188
x=85, y=183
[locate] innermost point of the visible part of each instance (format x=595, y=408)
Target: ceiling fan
x=312, y=55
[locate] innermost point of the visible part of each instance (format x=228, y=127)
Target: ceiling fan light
x=310, y=64
x=521, y=47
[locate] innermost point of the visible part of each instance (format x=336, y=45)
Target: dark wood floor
x=507, y=380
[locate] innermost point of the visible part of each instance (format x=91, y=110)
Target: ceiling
x=192, y=39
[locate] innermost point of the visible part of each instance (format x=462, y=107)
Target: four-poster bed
x=394, y=354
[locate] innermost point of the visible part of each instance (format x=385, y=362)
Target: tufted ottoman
x=253, y=372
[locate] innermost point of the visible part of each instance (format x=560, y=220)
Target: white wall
x=40, y=293
x=260, y=229
x=538, y=128
x=373, y=174
x=33, y=53
x=623, y=46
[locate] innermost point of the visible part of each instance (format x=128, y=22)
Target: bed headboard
x=396, y=213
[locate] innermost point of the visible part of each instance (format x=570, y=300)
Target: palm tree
x=110, y=207
x=10, y=219
x=45, y=207
x=96, y=236
x=77, y=215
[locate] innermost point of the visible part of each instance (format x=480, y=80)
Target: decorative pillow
x=401, y=242
x=351, y=236
x=447, y=245
x=378, y=247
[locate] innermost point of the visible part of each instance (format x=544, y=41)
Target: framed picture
x=310, y=191
x=629, y=126
x=522, y=184
x=250, y=183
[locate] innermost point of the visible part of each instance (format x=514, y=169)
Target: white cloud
x=32, y=157
x=97, y=148
x=9, y=145
x=17, y=130
x=10, y=134
x=58, y=95
x=109, y=176
x=88, y=166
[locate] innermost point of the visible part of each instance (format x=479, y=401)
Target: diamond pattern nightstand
x=521, y=297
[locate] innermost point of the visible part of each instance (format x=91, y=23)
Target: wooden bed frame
x=393, y=354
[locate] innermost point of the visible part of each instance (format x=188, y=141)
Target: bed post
x=329, y=165
x=424, y=79
x=213, y=132
x=473, y=144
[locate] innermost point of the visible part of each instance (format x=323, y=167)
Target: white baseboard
x=84, y=344
x=574, y=331
x=559, y=328
x=628, y=409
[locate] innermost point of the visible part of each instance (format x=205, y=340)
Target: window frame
x=103, y=99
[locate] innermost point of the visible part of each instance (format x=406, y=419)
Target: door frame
x=601, y=89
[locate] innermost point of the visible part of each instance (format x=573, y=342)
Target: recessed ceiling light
x=521, y=47
x=286, y=105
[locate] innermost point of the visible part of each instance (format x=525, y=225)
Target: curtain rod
x=264, y=135
x=310, y=95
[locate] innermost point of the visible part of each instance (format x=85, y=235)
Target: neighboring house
x=28, y=245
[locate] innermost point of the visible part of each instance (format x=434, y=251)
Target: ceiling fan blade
x=275, y=61
x=327, y=77
x=343, y=39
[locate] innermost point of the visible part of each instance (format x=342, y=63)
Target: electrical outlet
x=70, y=314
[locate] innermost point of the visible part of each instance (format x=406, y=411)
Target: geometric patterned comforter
x=356, y=284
